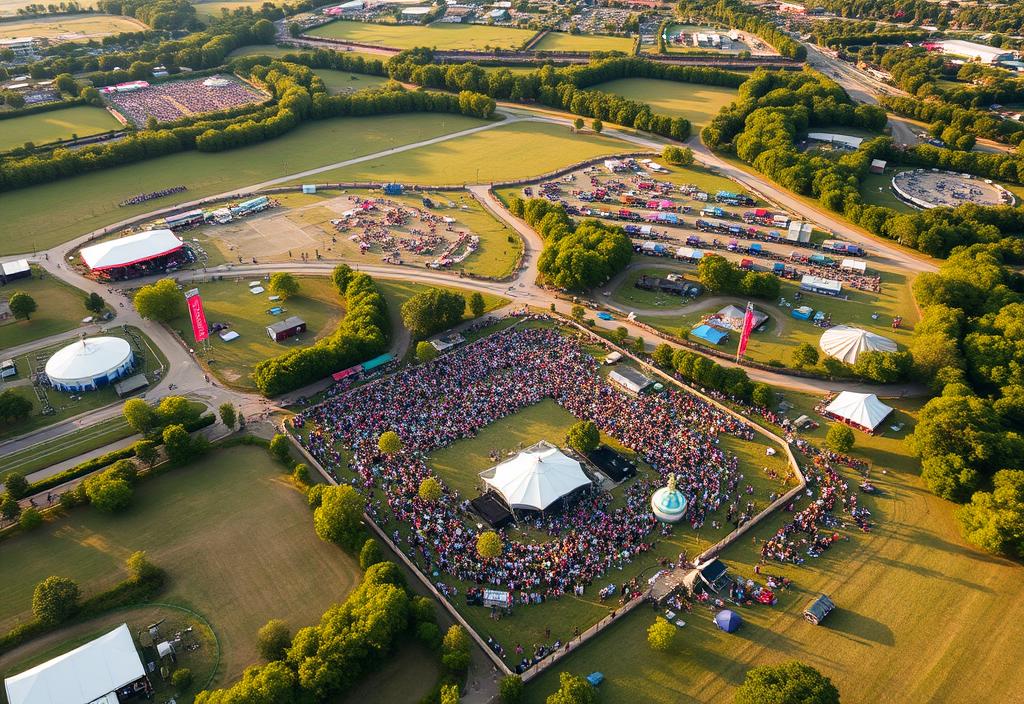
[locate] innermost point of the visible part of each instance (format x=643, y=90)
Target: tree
x=583, y=436
x=789, y=683
x=146, y=452
x=177, y=444
x=284, y=285
x=227, y=414
x=300, y=473
x=22, y=305
x=430, y=490
x=578, y=313
x=94, y=303
x=662, y=355
x=181, y=679
x=638, y=345
x=839, y=438
x=54, y=600
x=280, y=448
x=14, y=407
x=339, y=518
x=431, y=311
x=805, y=355
x=577, y=124
x=763, y=396
x=370, y=554
x=476, y=304
x=139, y=567
x=619, y=334
x=139, y=415
x=488, y=545
x=177, y=409
x=510, y=689
x=680, y=156
x=273, y=639
x=31, y=518
x=161, y=301
x=9, y=507
x=389, y=443
x=994, y=521
x=455, y=650
x=425, y=352
x=718, y=274
x=449, y=694
x=573, y=689
x=16, y=485
x=108, y=491
x=597, y=125
x=660, y=635
x=340, y=277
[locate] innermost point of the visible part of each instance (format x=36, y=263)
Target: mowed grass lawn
x=696, y=103
x=471, y=37
x=65, y=447
x=234, y=534
x=246, y=313
x=90, y=26
x=517, y=150
x=80, y=120
x=562, y=41
x=346, y=82
x=921, y=617
x=32, y=220
x=60, y=307
x=214, y=9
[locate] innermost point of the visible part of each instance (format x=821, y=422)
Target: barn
x=289, y=327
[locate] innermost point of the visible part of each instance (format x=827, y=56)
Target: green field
x=914, y=604
x=231, y=302
x=562, y=41
x=345, y=82
x=73, y=27
x=60, y=308
x=512, y=151
x=470, y=37
x=215, y=9
x=89, y=201
x=876, y=189
x=234, y=534
x=263, y=50
x=628, y=295
x=78, y=120
x=67, y=446
x=696, y=103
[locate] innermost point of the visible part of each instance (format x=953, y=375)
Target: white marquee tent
x=89, y=673
x=536, y=478
x=862, y=410
x=846, y=343
x=130, y=250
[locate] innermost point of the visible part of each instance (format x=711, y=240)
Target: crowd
x=143, y=197
x=177, y=99
x=435, y=405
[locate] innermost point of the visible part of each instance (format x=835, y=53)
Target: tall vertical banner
x=196, y=314
x=748, y=325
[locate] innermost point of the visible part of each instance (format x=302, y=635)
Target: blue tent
x=728, y=620
x=709, y=334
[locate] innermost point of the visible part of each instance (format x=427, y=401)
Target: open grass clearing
x=65, y=447
x=628, y=295
x=31, y=222
x=517, y=150
x=396, y=292
x=563, y=41
x=231, y=302
x=60, y=308
x=215, y=9
x=45, y=127
x=276, y=51
x=469, y=37
x=347, y=82
x=70, y=27
x=233, y=532
x=697, y=103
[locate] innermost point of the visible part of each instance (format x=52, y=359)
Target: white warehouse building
x=976, y=52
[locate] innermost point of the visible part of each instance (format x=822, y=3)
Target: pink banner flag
x=197, y=315
x=748, y=325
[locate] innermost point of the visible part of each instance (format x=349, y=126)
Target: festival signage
x=197, y=315
x=748, y=325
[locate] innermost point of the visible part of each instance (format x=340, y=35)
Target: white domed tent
x=846, y=343
x=537, y=477
x=89, y=363
x=863, y=411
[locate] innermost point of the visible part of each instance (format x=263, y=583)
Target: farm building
x=877, y=166
x=629, y=379
x=289, y=327
x=12, y=271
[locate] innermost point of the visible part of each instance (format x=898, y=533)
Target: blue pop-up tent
x=728, y=620
x=709, y=334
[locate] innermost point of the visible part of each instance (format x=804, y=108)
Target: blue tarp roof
x=710, y=334
x=378, y=361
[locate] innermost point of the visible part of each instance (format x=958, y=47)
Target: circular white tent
x=537, y=477
x=89, y=363
x=846, y=343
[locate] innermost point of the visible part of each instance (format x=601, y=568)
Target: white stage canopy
x=847, y=343
x=86, y=674
x=863, y=410
x=536, y=478
x=130, y=250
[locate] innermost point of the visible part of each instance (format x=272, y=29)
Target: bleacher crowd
x=177, y=99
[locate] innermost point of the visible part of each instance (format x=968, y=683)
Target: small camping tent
x=728, y=620
x=709, y=334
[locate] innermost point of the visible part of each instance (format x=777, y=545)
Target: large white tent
x=89, y=363
x=130, y=250
x=846, y=343
x=862, y=410
x=536, y=478
x=90, y=673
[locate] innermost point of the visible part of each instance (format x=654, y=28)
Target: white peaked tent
x=536, y=478
x=846, y=343
x=862, y=410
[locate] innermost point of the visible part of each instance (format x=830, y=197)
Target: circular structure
x=668, y=503
x=89, y=363
x=933, y=188
x=846, y=343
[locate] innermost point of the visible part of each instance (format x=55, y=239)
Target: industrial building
x=974, y=51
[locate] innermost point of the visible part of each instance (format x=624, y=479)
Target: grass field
x=234, y=534
x=876, y=189
x=89, y=201
x=263, y=50
x=73, y=444
x=78, y=120
x=562, y=41
x=231, y=302
x=214, y=9
x=518, y=150
x=60, y=308
x=73, y=28
x=627, y=294
x=915, y=605
x=345, y=82
x=471, y=37
x=696, y=103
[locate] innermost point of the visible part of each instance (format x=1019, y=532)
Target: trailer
x=840, y=247
x=185, y=220
x=251, y=206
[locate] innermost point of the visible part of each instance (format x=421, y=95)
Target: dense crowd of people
x=432, y=406
x=143, y=197
x=177, y=99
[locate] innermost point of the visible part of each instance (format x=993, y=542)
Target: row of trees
x=738, y=15
x=362, y=334
x=991, y=18
x=158, y=14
